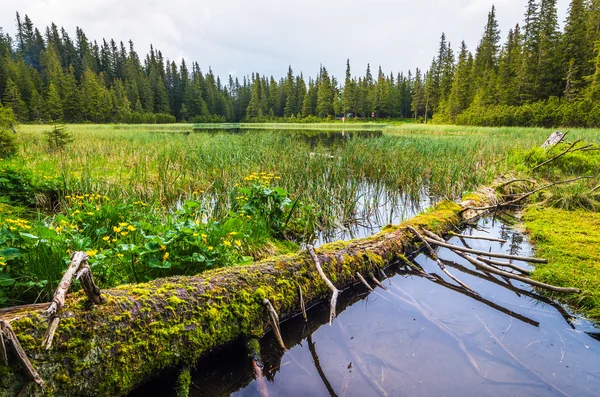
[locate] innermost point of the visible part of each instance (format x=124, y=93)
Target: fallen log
x=141, y=329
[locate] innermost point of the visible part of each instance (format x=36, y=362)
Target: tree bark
x=142, y=329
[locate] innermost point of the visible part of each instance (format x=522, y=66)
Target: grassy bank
x=570, y=240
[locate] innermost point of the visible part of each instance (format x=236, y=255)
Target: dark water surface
x=421, y=337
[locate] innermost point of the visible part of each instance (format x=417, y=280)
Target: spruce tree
x=12, y=99
x=53, y=104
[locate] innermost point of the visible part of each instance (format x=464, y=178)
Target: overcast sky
x=239, y=37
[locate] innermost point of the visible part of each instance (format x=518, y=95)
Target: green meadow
x=149, y=201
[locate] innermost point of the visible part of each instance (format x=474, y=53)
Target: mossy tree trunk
x=142, y=329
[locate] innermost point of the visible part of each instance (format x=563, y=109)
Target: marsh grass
x=332, y=181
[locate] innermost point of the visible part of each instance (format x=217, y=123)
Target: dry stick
x=32, y=373
x=517, y=180
x=257, y=367
x=521, y=363
x=504, y=264
x=58, y=301
x=484, y=253
x=499, y=240
x=362, y=280
x=3, y=349
x=437, y=260
x=488, y=277
x=594, y=189
x=87, y=282
x=377, y=283
x=557, y=156
x=444, y=283
x=302, y=306
x=334, y=291
x=524, y=196
x=521, y=278
x=49, y=334
x=317, y=363
x=491, y=269
x=274, y=318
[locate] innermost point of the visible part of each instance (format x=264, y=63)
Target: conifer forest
x=533, y=75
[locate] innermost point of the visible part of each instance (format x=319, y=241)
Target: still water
x=421, y=337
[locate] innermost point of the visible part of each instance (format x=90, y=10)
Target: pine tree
x=418, y=100
x=71, y=104
x=324, y=95
x=53, y=104
x=12, y=99
x=461, y=92
x=548, y=69
x=575, y=50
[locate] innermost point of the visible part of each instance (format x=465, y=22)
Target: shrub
x=58, y=138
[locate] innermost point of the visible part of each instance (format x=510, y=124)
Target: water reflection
x=425, y=337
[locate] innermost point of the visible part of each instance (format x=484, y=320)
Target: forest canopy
x=539, y=75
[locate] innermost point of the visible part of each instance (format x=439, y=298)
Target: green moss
x=184, y=380
x=570, y=241
x=175, y=301
x=437, y=218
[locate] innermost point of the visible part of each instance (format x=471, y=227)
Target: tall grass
x=159, y=163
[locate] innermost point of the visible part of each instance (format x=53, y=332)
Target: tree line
x=51, y=76
x=539, y=76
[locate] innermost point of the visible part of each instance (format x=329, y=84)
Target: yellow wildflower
x=195, y=234
x=238, y=243
x=165, y=256
x=116, y=229
x=131, y=228
x=123, y=234
x=163, y=247
x=91, y=253
x=210, y=248
x=227, y=243
x=120, y=255
x=123, y=224
x=105, y=238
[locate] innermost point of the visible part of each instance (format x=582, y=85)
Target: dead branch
x=49, y=335
x=524, y=279
x=524, y=196
x=87, y=282
x=504, y=264
x=377, y=283
x=437, y=260
x=554, y=139
x=594, y=189
x=30, y=370
x=302, y=306
x=515, y=181
x=477, y=237
x=253, y=347
x=58, y=301
x=274, y=318
x=484, y=253
x=334, y=291
x=362, y=280
x=557, y=156
x=3, y=355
